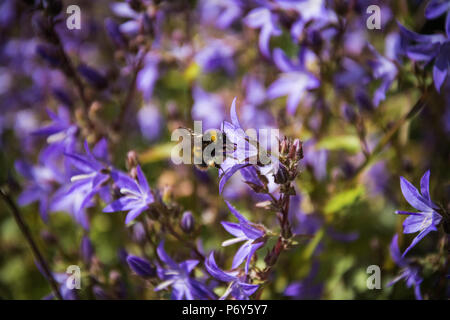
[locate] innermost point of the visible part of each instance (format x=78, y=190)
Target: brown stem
x=130, y=94
x=34, y=248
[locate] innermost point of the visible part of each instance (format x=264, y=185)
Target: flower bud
x=49, y=54
x=141, y=266
x=99, y=293
x=114, y=33
x=187, y=222
x=296, y=151
x=282, y=175
x=93, y=76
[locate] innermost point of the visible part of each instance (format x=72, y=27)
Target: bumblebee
x=209, y=149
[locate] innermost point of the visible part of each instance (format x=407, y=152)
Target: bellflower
x=221, y=13
x=72, y=200
x=40, y=184
x=237, y=159
x=238, y=288
x=141, y=266
x=243, y=231
x=208, y=108
x=217, y=55
x=147, y=77
x=307, y=288
x=60, y=133
x=137, y=195
x=426, y=48
x=385, y=71
x=409, y=271
x=93, y=171
x=426, y=219
x=293, y=82
x=264, y=19
x=177, y=275
x=312, y=12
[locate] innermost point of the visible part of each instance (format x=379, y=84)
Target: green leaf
x=343, y=199
x=349, y=143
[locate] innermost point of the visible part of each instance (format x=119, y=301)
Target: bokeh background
x=195, y=57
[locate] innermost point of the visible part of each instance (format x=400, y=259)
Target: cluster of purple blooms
x=77, y=171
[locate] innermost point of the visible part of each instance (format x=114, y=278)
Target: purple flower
x=221, y=13
x=293, y=82
x=312, y=13
x=384, y=70
x=427, y=219
x=92, y=76
x=187, y=223
x=243, y=150
x=306, y=288
x=208, y=108
x=147, y=77
x=60, y=133
x=243, y=231
x=238, y=288
x=426, y=48
x=150, y=121
x=409, y=271
x=264, y=19
x=40, y=184
x=141, y=266
x=93, y=172
x=217, y=55
x=137, y=195
x=177, y=275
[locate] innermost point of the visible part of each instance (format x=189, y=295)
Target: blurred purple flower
x=221, y=13
x=40, y=184
x=409, y=271
x=141, y=266
x=60, y=133
x=208, y=108
x=427, y=219
x=238, y=288
x=150, y=121
x=217, y=55
x=307, y=288
x=148, y=76
x=426, y=48
x=383, y=70
x=177, y=276
x=93, y=172
x=243, y=231
x=293, y=82
x=137, y=195
x=264, y=19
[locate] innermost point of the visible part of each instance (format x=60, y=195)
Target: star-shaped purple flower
x=137, y=195
x=426, y=48
x=177, y=275
x=243, y=231
x=93, y=171
x=427, y=219
x=294, y=82
x=238, y=288
x=264, y=19
x=409, y=272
